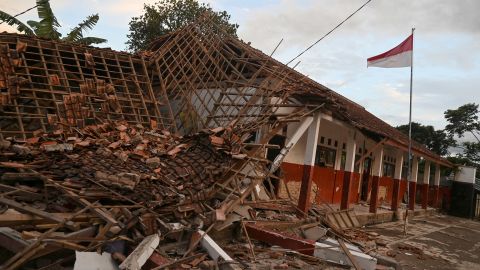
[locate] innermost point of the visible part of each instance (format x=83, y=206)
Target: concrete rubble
x=116, y=188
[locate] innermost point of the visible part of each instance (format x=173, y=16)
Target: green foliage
x=47, y=26
x=76, y=34
x=437, y=141
x=463, y=120
x=165, y=17
x=10, y=20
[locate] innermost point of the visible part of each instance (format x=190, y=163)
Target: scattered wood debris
x=145, y=197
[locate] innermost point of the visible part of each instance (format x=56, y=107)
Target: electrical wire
x=329, y=32
x=21, y=13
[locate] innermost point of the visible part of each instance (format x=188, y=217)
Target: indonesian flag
x=400, y=56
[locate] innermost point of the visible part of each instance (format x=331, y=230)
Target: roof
x=306, y=89
x=352, y=112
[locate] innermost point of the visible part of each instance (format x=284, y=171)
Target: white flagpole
x=409, y=173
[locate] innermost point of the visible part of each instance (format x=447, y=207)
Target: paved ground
x=433, y=242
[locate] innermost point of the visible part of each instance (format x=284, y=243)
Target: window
x=325, y=157
x=388, y=167
x=356, y=167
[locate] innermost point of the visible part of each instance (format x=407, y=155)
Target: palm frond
x=91, y=40
x=77, y=32
x=48, y=24
x=21, y=27
x=33, y=24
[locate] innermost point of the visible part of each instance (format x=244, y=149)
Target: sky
x=446, y=71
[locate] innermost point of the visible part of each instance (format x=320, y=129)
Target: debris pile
x=127, y=182
x=122, y=195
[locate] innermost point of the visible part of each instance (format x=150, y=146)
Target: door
x=367, y=164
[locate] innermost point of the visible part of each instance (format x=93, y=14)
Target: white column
x=300, y=130
x=377, y=165
x=426, y=172
x=414, y=174
x=437, y=175
x=309, y=162
x=351, y=148
x=398, y=165
x=338, y=156
x=312, y=141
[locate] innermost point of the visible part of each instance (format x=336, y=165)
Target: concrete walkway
x=384, y=214
x=432, y=242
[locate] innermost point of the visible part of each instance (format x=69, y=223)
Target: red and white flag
x=400, y=56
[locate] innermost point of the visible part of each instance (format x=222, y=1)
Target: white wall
x=329, y=130
x=465, y=174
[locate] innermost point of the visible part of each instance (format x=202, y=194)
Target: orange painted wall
x=386, y=182
x=354, y=195
x=325, y=180
x=329, y=182
x=403, y=188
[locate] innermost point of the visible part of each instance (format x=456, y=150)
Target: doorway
x=271, y=155
x=367, y=166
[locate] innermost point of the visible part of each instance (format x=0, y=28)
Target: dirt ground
x=433, y=242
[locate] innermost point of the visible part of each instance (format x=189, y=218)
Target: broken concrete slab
x=314, y=233
x=94, y=261
x=215, y=251
x=330, y=250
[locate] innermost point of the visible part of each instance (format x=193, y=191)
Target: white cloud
x=447, y=47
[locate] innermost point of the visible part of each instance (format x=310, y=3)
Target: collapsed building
x=193, y=137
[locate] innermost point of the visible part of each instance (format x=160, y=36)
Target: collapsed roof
x=197, y=77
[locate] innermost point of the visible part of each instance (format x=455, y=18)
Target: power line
x=329, y=32
x=23, y=12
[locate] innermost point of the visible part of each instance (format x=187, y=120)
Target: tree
x=463, y=120
x=437, y=141
x=47, y=26
x=166, y=16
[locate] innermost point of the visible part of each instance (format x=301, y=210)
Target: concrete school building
x=359, y=158
x=200, y=77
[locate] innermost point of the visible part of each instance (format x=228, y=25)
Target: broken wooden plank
x=26, y=195
x=36, y=212
x=349, y=255
x=14, y=219
x=35, y=247
x=304, y=246
x=140, y=255
x=17, y=177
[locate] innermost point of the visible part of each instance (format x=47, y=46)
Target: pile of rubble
x=115, y=196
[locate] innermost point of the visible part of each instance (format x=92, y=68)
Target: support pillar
x=436, y=186
x=413, y=184
x=308, y=164
x=351, y=148
x=425, y=184
x=376, y=172
x=338, y=157
x=397, y=177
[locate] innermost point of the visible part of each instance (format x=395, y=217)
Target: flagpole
x=409, y=173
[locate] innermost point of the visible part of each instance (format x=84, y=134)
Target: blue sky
x=446, y=53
